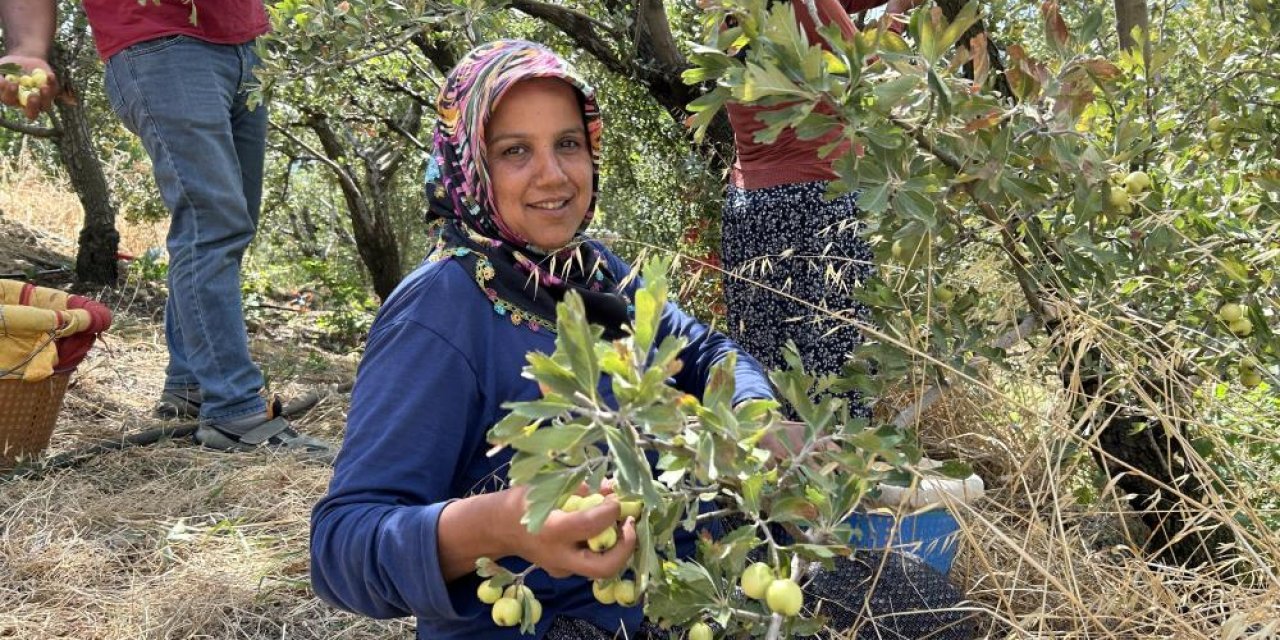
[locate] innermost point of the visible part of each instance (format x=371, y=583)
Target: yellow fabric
x=27, y=333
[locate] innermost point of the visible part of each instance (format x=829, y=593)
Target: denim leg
x=180, y=96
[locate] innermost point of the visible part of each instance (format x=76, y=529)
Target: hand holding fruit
x=31, y=90
x=563, y=546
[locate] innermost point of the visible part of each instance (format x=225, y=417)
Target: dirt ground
x=167, y=540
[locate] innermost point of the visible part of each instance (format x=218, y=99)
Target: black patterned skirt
x=793, y=260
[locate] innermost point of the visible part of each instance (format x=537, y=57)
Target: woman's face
x=540, y=162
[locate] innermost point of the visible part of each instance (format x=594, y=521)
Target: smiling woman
x=415, y=498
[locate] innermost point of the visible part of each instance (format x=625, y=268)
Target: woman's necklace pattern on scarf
x=483, y=273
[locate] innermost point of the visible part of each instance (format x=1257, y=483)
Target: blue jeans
x=185, y=98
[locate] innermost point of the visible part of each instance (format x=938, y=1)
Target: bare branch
x=651, y=18
x=30, y=129
x=587, y=32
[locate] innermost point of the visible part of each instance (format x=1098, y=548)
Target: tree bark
x=1130, y=14
x=374, y=231
x=99, y=241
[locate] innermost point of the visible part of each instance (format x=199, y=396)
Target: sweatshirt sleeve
x=704, y=349
x=415, y=411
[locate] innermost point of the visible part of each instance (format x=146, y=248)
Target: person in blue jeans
x=183, y=89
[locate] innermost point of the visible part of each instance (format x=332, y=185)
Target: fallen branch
x=170, y=431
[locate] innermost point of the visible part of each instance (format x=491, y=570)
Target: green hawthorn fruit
x=604, y=540
x=1249, y=363
x=506, y=612
x=1250, y=379
x=624, y=592
x=603, y=592
x=1137, y=182
x=1230, y=312
x=1241, y=327
x=630, y=509
x=39, y=78
x=1220, y=142
x=1119, y=200
x=572, y=503
x=488, y=593
x=944, y=294
x=784, y=596
x=700, y=631
x=1217, y=124
x=517, y=592
x=755, y=580
x=593, y=500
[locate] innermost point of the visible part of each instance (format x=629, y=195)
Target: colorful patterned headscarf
x=520, y=280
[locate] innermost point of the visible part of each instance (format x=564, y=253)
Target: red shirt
x=789, y=160
x=118, y=24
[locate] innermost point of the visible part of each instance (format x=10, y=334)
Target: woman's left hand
x=560, y=546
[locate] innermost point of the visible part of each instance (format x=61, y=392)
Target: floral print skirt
x=794, y=261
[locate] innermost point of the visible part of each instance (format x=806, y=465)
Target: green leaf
x=720, y=385
x=545, y=492
x=764, y=82
x=538, y=409
x=551, y=439
x=891, y=94
x=633, y=468
x=965, y=19
x=576, y=339
x=941, y=92
x=955, y=469
x=650, y=301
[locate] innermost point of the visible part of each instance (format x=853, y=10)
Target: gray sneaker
x=177, y=404
x=272, y=434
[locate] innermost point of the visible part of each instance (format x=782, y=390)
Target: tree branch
x=651, y=20
x=932, y=394
x=584, y=30
x=30, y=129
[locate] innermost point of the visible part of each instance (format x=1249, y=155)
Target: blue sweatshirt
x=438, y=366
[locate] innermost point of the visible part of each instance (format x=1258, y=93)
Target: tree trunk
x=374, y=231
x=950, y=9
x=1179, y=534
x=99, y=240
x=1130, y=14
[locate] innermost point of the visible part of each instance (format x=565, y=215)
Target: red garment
x=789, y=160
x=120, y=23
x=73, y=348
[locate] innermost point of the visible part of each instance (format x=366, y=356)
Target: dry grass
x=170, y=541
x=31, y=197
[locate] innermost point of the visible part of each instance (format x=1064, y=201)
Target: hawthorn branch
x=934, y=393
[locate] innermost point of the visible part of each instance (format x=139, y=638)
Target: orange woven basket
x=28, y=413
x=44, y=334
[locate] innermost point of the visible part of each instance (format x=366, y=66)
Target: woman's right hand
x=560, y=546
